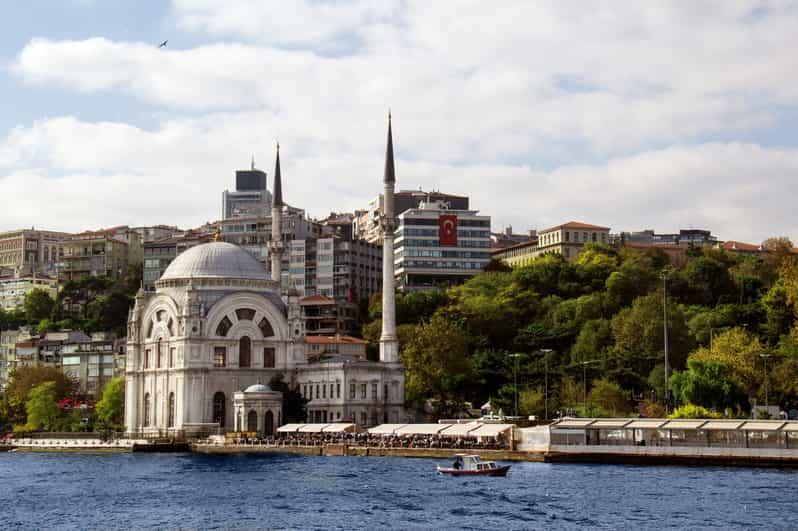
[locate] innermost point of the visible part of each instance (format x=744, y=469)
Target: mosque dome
x=258, y=388
x=215, y=260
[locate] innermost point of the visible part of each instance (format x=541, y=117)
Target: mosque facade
x=202, y=349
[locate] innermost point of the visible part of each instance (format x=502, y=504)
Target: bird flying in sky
x=163, y=43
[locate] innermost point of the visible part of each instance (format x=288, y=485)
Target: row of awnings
x=676, y=424
x=469, y=429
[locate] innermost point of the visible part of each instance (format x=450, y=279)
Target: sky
x=632, y=115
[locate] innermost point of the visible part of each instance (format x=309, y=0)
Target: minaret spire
x=389, y=343
x=253, y=163
x=276, y=245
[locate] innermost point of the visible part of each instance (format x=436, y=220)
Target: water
x=301, y=492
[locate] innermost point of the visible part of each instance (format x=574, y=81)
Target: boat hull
x=499, y=471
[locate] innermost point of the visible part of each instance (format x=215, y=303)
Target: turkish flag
x=447, y=229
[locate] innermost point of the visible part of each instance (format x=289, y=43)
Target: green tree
x=437, y=365
x=38, y=305
x=531, y=401
x=739, y=350
x=692, y=411
x=111, y=407
x=609, y=398
x=709, y=384
x=23, y=379
x=41, y=407
x=294, y=404
x=709, y=279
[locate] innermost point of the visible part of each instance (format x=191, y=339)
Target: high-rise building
x=250, y=198
x=437, y=246
x=366, y=223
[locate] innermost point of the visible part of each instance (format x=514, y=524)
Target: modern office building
x=366, y=222
x=250, y=199
x=436, y=246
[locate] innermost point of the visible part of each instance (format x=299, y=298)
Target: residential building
x=14, y=290
x=31, y=251
x=250, y=198
x=156, y=232
x=437, y=246
x=108, y=252
x=506, y=238
x=695, y=237
x=366, y=222
x=321, y=315
x=319, y=347
x=8, y=342
x=567, y=240
x=91, y=361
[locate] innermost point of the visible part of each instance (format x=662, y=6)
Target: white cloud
x=480, y=96
x=112, y=173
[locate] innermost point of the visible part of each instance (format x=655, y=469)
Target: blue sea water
x=122, y=491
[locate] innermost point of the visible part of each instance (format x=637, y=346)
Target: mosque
x=202, y=349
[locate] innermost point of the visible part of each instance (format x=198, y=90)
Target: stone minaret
x=389, y=344
x=276, y=245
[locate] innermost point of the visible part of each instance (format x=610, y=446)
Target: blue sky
x=627, y=115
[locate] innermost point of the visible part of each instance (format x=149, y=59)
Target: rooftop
x=574, y=225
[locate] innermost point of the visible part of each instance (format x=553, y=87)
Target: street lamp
x=665, y=334
x=584, y=380
x=515, y=381
x=546, y=352
x=765, y=378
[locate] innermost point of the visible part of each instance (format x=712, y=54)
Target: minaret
x=389, y=344
x=276, y=245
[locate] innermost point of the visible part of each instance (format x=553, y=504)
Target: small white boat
x=472, y=465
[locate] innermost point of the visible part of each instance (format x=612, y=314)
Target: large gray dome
x=215, y=260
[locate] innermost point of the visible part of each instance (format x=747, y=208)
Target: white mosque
x=202, y=349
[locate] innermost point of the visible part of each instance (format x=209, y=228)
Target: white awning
x=312, y=428
x=459, y=430
x=572, y=423
x=722, y=425
x=490, y=430
x=420, y=429
x=764, y=425
x=645, y=424
x=385, y=429
x=684, y=424
x=340, y=427
x=610, y=423
x=289, y=428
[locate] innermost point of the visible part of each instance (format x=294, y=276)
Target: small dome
x=215, y=260
x=258, y=388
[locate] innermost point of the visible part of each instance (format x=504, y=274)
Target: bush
x=692, y=411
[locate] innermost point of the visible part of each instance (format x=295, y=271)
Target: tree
x=708, y=279
x=111, y=407
x=779, y=248
x=41, y=407
x=531, y=401
x=294, y=404
x=692, y=411
x=709, y=384
x=23, y=379
x=38, y=305
x=739, y=351
x=609, y=397
x=437, y=365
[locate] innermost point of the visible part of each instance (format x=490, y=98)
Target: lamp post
x=765, y=378
x=546, y=352
x=584, y=381
x=515, y=380
x=665, y=334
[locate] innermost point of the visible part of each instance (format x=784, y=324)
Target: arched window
x=252, y=421
x=171, y=418
x=147, y=409
x=265, y=328
x=223, y=327
x=244, y=352
x=268, y=423
x=218, y=408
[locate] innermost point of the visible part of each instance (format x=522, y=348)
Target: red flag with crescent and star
x=447, y=229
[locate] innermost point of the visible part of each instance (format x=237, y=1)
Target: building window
x=338, y=390
x=265, y=328
x=147, y=358
x=218, y=409
x=310, y=389
x=352, y=392
x=252, y=421
x=245, y=314
x=324, y=391
x=171, y=416
x=362, y=418
x=332, y=388
x=172, y=357
x=318, y=391
x=385, y=392
x=244, y=352
x=268, y=357
x=363, y=391
x=147, y=405
x=567, y=236
x=160, y=355
x=374, y=390
x=219, y=356
x=593, y=236
x=223, y=327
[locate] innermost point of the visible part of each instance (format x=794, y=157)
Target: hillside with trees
x=592, y=332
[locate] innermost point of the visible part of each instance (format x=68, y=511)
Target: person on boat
x=458, y=463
